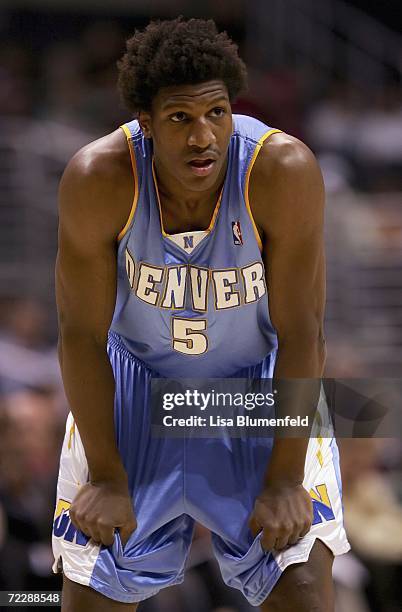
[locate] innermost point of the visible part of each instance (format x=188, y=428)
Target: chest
x=177, y=217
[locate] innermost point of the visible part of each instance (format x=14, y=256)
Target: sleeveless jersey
x=196, y=303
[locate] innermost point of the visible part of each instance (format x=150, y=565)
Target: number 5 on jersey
x=188, y=336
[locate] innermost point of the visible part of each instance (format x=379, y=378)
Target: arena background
x=326, y=71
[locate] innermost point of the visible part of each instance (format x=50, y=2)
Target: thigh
x=79, y=598
x=305, y=587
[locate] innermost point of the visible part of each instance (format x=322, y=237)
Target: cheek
x=168, y=146
x=225, y=136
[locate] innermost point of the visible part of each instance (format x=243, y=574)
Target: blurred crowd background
x=326, y=71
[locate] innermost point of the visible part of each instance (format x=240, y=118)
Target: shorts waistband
x=115, y=342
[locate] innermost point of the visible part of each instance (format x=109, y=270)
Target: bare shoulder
x=285, y=179
x=284, y=155
x=98, y=185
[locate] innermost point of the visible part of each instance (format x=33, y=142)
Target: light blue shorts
x=176, y=481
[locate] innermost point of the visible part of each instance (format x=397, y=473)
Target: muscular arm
x=287, y=196
x=94, y=202
x=292, y=226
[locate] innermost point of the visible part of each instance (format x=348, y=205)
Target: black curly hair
x=177, y=52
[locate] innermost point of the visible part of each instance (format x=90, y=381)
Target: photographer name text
x=239, y=421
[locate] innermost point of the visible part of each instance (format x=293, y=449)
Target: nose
x=201, y=135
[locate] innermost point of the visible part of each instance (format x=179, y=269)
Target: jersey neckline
x=214, y=214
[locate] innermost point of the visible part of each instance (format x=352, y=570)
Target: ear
x=144, y=119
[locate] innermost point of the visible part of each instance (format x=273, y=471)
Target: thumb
x=254, y=526
x=126, y=531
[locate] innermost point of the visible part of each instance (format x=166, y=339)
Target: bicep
x=294, y=251
x=86, y=261
x=85, y=289
x=296, y=288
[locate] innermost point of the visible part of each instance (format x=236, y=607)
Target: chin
x=201, y=183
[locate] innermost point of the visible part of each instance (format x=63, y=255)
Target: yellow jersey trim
x=249, y=169
x=136, y=194
x=70, y=435
x=214, y=214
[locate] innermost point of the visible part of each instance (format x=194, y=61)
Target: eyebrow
x=170, y=103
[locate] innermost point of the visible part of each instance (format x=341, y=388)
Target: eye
x=178, y=117
x=218, y=111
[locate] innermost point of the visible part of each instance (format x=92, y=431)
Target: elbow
x=304, y=351
x=73, y=336
x=321, y=351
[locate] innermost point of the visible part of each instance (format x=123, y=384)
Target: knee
x=309, y=596
x=304, y=595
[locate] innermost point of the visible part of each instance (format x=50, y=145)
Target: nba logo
x=236, y=231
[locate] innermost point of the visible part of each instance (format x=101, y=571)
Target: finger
x=88, y=525
x=281, y=543
x=294, y=538
x=306, y=528
x=95, y=536
x=78, y=520
x=106, y=534
x=78, y=510
x=89, y=531
x=268, y=539
x=126, y=531
x=254, y=526
x=297, y=533
x=283, y=535
x=80, y=500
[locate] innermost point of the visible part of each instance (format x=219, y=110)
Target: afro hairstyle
x=177, y=52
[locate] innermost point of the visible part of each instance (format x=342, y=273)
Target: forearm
x=297, y=373
x=301, y=355
x=90, y=388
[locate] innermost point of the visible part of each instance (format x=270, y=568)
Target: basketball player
x=174, y=231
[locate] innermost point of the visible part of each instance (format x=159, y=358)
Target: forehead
x=190, y=95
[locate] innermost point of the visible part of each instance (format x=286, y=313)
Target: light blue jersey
x=196, y=301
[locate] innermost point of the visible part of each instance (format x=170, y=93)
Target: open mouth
x=202, y=167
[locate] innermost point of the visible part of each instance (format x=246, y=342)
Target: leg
x=305, y=587
x=79, y=598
